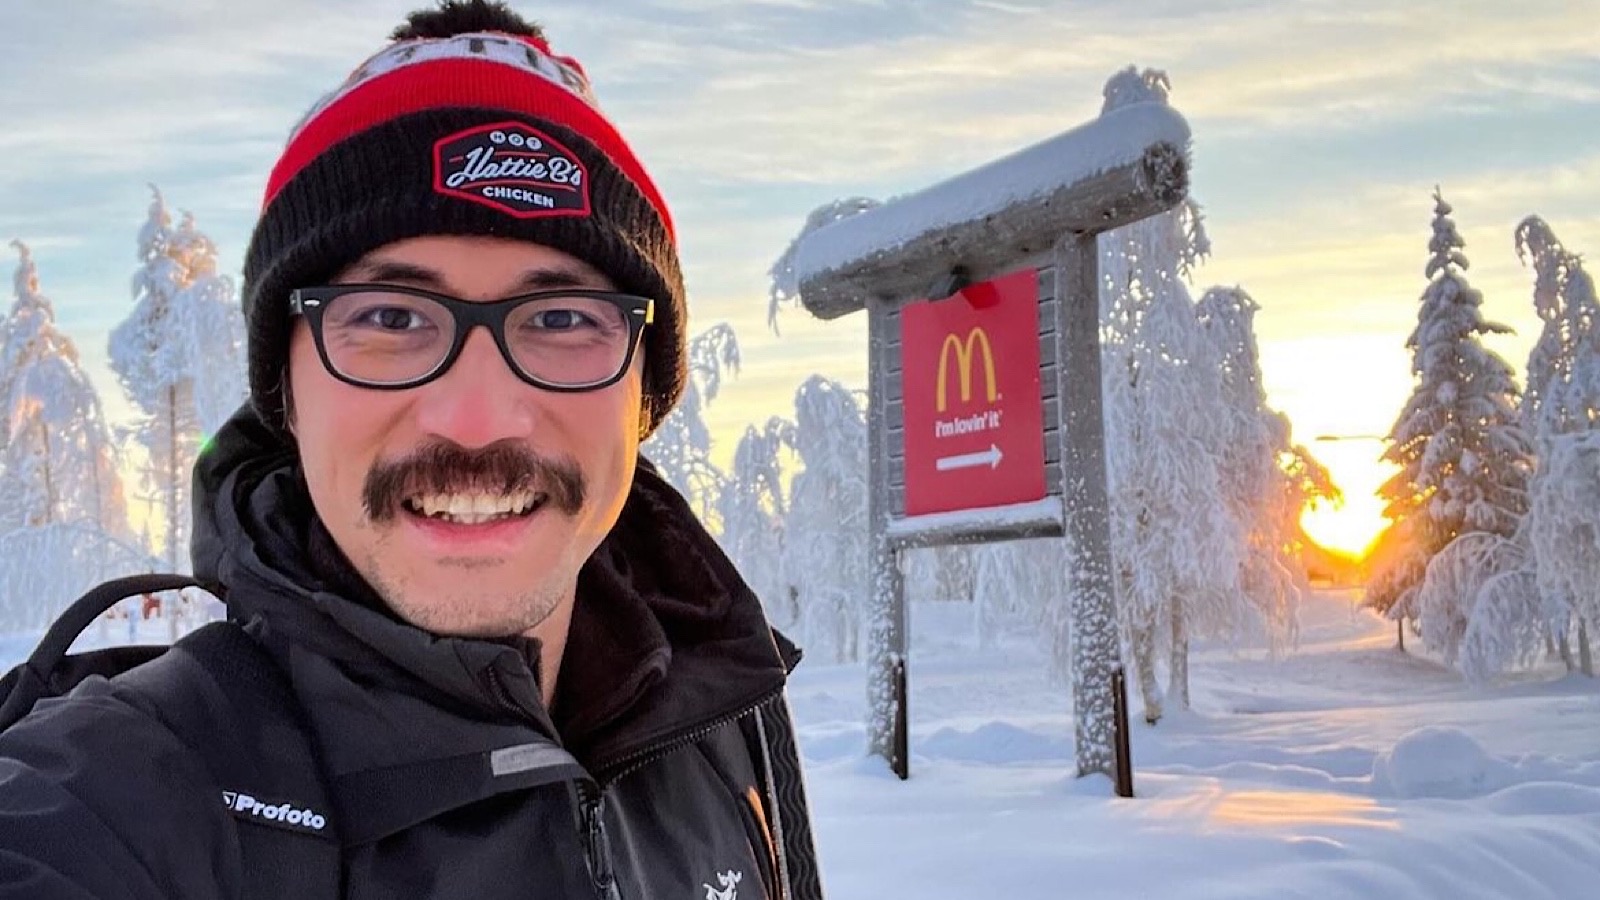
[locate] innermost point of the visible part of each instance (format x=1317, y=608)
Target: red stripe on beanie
x=457, y=83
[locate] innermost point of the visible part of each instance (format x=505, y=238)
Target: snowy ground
x=1266, y=790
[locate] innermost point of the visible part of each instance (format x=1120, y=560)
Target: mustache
x=447, y=468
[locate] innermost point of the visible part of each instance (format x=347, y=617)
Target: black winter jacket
x=652, y=777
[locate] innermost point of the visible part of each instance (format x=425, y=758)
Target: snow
x=1346, y=770
x=990, y=518
x=1114, y=139
x=1438, y=761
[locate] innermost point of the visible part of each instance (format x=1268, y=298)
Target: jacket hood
x=665, y=635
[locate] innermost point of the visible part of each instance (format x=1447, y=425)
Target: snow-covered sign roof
x=1126, y=165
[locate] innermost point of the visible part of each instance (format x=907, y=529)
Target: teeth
x=473, y=508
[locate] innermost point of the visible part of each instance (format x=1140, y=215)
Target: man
x=524, y=667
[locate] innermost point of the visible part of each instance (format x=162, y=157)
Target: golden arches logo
x=963, y=351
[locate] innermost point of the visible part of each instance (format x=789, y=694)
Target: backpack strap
x=769, y=733
x=50, y=672
x=223, y=696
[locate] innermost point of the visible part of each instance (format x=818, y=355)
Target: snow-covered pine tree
x=1464, y=458
x=63, y=518
x=180, y=357
x=753, y=508
x=827, y=546
x=1175, y=541
x=210, y=321
x=681, y=445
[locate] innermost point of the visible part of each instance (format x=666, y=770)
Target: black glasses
x=390, y=337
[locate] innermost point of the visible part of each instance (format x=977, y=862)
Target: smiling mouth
x=475, y=508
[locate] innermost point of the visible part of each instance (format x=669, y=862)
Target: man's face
x=478, y=440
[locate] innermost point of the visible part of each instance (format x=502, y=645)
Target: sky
x=1320, y=132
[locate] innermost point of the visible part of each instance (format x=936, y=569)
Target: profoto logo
x=282, y=814
x=963, y=352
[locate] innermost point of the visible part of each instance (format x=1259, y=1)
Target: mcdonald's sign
x=961, y=351
x=973, y=414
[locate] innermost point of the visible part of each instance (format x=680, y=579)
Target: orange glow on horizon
x=1345, y=530
x=1352, y=526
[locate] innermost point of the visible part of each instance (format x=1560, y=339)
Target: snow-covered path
x=1266, y=790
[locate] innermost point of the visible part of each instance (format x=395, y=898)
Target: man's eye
x=561, y=320
x=391, y=318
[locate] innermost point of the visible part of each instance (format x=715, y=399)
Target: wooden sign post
x=985, y=424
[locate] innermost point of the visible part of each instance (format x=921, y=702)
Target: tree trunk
x=1564, y=647
x=49, y=483
x=172, y=478
x=1400, y=632
x=1178, y=674
x=1585, y=658
x=99, y=499
x=792, y=605
x=1144, y=660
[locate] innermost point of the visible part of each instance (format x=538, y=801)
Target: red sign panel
x=974, y=422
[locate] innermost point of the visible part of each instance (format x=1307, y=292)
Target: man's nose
x=479, y=400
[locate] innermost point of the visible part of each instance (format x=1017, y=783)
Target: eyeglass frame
x=310, y=304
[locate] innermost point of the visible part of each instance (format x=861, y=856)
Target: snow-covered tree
x=753, y=508
x=180, y=356
x=826, y=536
x=59, y=462
x=1175, y=541
x=1564, y=533
x=1463, y=455
x=1023, y=584
x=1266, y=480
x=938, y=574
x=681, y=445
x=1561, y=408
x=1560, y=398
x=1449, y=594
x=46, y=567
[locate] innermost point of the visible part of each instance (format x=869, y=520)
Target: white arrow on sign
x=989, y=457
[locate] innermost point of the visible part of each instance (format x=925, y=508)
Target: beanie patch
x=513, y=168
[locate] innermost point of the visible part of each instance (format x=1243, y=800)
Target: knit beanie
x=473, y=134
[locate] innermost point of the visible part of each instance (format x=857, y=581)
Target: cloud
x=916, y=103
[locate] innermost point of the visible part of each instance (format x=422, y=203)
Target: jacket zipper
x=612, y=772
x=591, y=813
x=591, y=796
x=596, y=847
